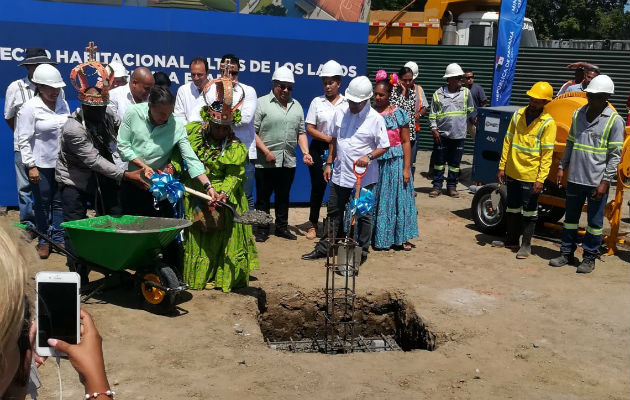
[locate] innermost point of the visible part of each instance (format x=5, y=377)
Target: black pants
x=339, y=197
x=75, y=205
x=136, y=201
x=447, y=151
x=318, y=184
x=277, y=181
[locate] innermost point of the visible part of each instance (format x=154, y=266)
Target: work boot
x=562, y=260
x=513, y=231
x=586, y=267
x=43, y=250
x=435, y=192
x=526, y=241
x=452, y=192
x=311, y=233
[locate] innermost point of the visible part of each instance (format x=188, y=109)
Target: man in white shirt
x=319, y=121
x=18, y=93
x=189, y=100
x=244, y=130
x=359, y=137
x=135, y=92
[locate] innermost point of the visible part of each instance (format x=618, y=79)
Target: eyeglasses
x=469, y=77
x=282, y=86
x=354, y=103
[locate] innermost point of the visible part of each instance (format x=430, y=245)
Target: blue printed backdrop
x=170, y=38
x=508, y=42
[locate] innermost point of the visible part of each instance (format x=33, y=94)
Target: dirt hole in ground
x=294, y=317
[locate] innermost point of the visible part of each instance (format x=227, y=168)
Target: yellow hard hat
x=541, y=90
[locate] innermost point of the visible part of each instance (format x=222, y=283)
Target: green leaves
x=579, y=19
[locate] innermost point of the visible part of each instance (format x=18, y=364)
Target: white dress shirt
x=357, y=135
x=321, y=113
x=18, y=93
x=120, y=99
x=244, y=130
x=38, y=129
x=188, y=103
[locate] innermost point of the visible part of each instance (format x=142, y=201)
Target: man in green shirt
x=279, y=126
x=147, y=137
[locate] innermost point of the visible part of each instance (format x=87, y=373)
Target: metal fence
x=534, y=64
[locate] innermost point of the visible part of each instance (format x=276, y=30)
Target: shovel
x=250, y=217
x=353, y=257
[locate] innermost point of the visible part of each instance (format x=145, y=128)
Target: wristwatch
x=207, y=186
x=370, y=156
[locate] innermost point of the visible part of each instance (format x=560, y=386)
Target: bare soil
x=505, y=328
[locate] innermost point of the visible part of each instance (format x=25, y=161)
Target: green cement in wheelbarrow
x=122, y=242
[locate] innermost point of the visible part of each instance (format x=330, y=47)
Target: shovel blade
x=348, y=259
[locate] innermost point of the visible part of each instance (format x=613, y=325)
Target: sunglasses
x=282, y=86
x=469, y=77
x=354, y=103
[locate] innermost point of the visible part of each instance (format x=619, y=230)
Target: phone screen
x=57, y=312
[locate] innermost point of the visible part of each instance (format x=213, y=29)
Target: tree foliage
x=579, y=19
x=272, y=10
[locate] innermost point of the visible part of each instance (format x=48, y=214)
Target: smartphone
x=57, y=309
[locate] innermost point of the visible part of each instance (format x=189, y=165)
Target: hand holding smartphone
x=57, y=310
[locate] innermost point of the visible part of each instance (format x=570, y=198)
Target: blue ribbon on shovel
x=165, y=187
x=363, y=204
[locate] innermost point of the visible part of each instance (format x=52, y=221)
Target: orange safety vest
x=418, y=91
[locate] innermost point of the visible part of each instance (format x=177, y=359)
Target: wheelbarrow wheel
x=157, y=300
x=488, y=213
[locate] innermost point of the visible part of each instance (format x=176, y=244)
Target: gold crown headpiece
x=79, y=79
x=223, y=111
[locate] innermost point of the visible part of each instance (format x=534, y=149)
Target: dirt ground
x=506, y=328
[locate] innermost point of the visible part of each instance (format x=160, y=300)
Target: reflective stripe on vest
x=604, y=145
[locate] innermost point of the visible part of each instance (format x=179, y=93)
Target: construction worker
x=593, y=152
x=524, y=166
x=451, y=107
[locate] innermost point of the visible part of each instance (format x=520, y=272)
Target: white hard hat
x=46, y=74
x=283, y=74
x=359, y=89
x=601, y=84
x=453, y=70
x=413, y=67
x=331, y=68
x=118, y=69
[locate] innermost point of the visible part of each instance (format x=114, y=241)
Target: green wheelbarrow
x=115, y=245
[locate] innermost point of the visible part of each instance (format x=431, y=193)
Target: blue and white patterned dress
x=394, y=216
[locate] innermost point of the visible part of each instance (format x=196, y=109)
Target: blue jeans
x=448, y=151
x=47, y=205
x=25, y=195
x=520, y=199
x=576, y=195
x=248, y=184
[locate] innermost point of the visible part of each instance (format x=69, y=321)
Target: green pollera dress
x=228, y=254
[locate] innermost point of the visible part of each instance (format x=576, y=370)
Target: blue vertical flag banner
x=508, y=42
